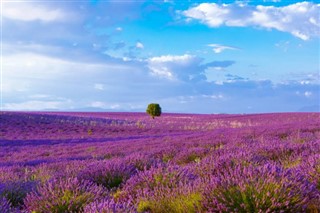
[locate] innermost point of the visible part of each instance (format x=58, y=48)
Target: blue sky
x=188, y=56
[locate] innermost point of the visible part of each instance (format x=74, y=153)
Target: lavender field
x=129, y=162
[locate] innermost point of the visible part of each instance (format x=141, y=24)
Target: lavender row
x=177, y=163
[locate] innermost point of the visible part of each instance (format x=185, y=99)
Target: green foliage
x=171, y=204
x=167, y=157
x=62, y=196
x=154, y=109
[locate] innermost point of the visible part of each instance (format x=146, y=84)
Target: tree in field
x=154, y=110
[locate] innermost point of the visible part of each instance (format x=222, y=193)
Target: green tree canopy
x=154, y=109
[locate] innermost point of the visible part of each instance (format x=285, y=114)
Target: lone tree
x=154, y=110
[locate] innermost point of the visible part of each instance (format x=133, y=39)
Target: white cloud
x=219, y=68
x=307, y=94
x=25, y=75
x=183, y=67
x=99, y=86
x=32, y=12
x=218, y=96
x=172, y=58
x=218, y=48
x=139, y=45
x=39, y=96
x=28, y=74
x=27, y=68
x=98, y=104
x=119, y=29
x=173, y=66
x=303, y=82
x=39, y=105
x=300, y=19
x=168, y=1
x=114, y=106
x=103, y=105
x=27, y=65
x=126, y=59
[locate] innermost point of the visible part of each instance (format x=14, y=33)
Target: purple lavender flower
x=110, y=174
x=311, y=168
x=192, y=155
x=182, y=198
x=163, y=177
x=109, y=206
x=141, y=161
x=258, y=189
x=5, y=206
x=63, y=195
x=15, y=192
x=265, y=162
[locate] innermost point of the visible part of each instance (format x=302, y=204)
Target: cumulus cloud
x=167, y=66
x=218, y=48
x=139, y=45
x=182, y=67
x=23, y=11
x=300, y=19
